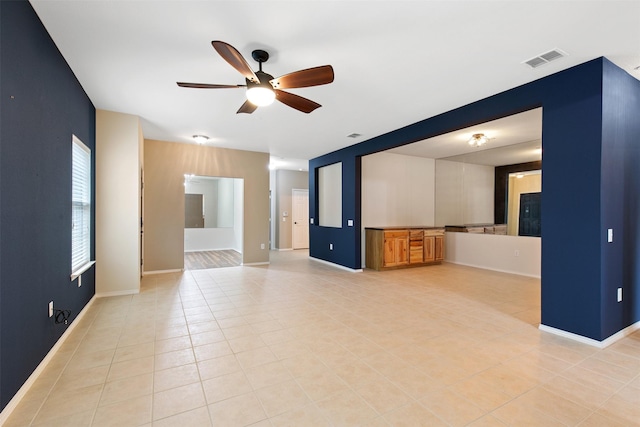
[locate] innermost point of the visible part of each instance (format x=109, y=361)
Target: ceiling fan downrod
x=260, y=56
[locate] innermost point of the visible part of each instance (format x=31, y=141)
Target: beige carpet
x=211, y=259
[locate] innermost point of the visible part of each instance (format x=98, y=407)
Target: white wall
x=118, y=163
x=510, y=254
x=397, y=190
x=209, y=239
x=225, y=215
x=464, y=193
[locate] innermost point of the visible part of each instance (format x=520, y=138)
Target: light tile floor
x=300, y=343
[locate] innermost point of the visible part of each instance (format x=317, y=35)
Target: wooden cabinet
x=429, y=248
x=397, y=247
x=433, y=245
x=439, y=248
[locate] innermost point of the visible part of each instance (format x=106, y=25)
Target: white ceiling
x=395, y=62
x=512, y=139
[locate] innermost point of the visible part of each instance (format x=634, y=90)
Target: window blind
x=80, y=206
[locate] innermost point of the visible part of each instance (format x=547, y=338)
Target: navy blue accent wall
x=43, y=105
x=572, y=223
x=344, y=251
x=571, y=133
x=620, y=198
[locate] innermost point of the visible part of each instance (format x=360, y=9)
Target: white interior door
x=300, y=219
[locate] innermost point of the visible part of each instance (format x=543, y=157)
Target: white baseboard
x=333, y=264
x=212, y=249
x=589, y=341
x=13, y=403
x=149, y=273
x=285, y=249
x=483, y=267
x=255, y=263
x=117, y=293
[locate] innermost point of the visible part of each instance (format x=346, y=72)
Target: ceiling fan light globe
x=261, y=96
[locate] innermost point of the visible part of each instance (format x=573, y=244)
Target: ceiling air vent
x=354, y=135
x=544, y=58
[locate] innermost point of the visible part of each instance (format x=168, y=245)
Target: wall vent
x=354, y=135
x=545, y=58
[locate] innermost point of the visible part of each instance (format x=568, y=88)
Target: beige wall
x=165, y=165
x=118, y=163
x=286, y=181
x=517, y=186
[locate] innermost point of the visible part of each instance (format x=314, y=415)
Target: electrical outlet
x=50, y=308
x=261, y=245
x=350, y=223
x=516, y=253
x=610, y=235
x=330, y=246
x=619, y=294
x=311, y=220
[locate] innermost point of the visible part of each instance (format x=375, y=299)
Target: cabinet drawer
x=416, y=255
x=416, y=234
x=415, y=244
x=396, y=234
x=434, y=232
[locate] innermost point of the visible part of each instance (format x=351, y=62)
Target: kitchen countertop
x=406, y=227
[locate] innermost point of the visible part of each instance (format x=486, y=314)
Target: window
x=80, y=208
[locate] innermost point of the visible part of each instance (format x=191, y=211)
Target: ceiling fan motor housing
x=260, y=56
x=264, y=81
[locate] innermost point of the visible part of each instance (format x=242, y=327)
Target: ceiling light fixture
x=478, y=140
x=200, y=139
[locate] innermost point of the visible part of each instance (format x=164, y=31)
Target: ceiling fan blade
x=235, y=59
x=294, y=101
x=247, y=108
x=304, y=78
x=208, y=86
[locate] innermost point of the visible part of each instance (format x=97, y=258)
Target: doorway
x=529, y=218
x=300, y=219
x=213, y=229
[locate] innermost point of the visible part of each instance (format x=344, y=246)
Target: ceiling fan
x=263, y=88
